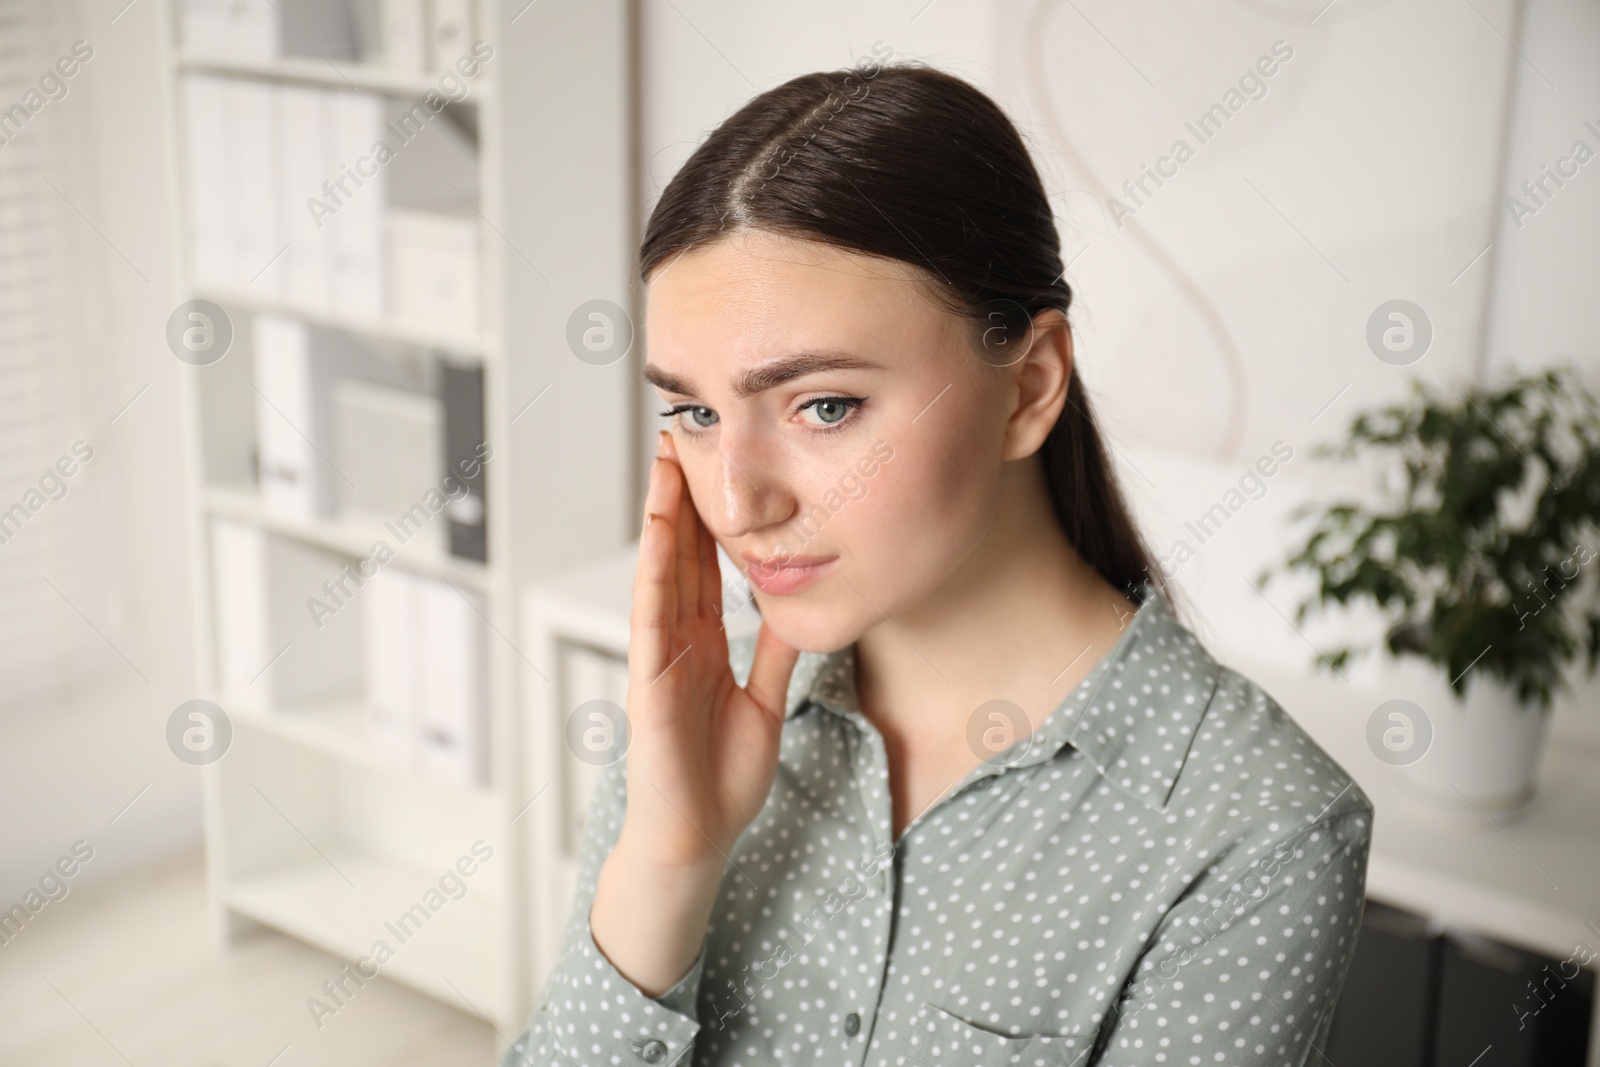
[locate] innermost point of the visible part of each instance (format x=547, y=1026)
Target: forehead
x=752, y=295
x=754, y=298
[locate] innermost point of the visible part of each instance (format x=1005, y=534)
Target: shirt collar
x=1133, y=716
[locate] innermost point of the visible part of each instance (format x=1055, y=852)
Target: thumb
x=770, y=671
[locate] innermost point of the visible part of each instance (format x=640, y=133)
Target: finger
x=654, y=591
x=687, y=540
x=707, y=573
x=770, y=671
x=710, y=570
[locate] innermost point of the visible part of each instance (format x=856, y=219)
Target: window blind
x=51, y=592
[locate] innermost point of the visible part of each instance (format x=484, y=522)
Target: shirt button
x=852, y=1024
x=653, y=1052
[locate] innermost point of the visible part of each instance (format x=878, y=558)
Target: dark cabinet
x=1419, y=998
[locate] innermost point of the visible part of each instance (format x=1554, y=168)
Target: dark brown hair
x=908, y=163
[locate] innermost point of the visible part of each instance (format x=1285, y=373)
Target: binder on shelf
x=426, y=675
x=433, y=269
x=405, y=36
x=202, y=25
x=248, y=29
x=450, y=32
x=451, y=733
x=465, y=452
x=236, y=220
x=390, y=656
x=302, y=168
x=354, y=232
x=206, y=141
x=258, y=223
x=389, y=442
x=290, y=470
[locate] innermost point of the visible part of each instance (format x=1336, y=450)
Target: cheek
x=923, y=511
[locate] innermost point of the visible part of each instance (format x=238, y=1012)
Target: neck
x=1024, y=618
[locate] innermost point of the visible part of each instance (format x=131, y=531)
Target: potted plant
x=1479, y=565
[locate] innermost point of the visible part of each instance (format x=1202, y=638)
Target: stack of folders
x=426, y=675
x=299, y=628
x=296, y=370
x=411, y=36
x=289, y=200
x=342, y=432
x=258, y=154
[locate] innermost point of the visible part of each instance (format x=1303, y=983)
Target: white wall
x=1544, y=307
x=1544, y=304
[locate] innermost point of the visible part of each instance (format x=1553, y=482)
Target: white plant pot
x=1485, y=750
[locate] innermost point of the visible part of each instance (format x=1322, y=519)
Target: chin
x=818, y=625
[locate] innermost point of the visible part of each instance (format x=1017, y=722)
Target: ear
x=1041, y=378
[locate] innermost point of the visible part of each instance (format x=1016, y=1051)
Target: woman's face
x=841, y=439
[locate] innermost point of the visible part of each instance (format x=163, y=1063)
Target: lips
x=769, y=564
x=782, y=575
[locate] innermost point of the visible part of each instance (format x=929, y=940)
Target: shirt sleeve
x=1245, y=969
x=588, y=1012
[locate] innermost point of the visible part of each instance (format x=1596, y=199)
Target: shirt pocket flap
x=946, y=1039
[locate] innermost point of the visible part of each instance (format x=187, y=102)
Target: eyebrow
x=775, y=372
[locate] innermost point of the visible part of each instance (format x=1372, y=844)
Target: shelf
x=424, y=553
x=445, y=958
x=566, y=70
x=340, y=729
x=325, y=73
x=472, y=346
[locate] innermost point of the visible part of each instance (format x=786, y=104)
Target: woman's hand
x=702, y=751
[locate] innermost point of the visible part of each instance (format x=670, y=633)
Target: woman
x=973, y=795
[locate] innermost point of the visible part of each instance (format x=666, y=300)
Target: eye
x=695, y=412
x=832, y=411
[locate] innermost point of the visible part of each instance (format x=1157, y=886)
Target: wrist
x=650, y=919
x=667, y=868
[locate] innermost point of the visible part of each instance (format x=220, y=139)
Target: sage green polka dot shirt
x=1167, y=871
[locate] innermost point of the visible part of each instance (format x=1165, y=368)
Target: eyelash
x=854, y=403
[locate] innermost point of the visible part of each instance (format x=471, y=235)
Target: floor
x=127, y=974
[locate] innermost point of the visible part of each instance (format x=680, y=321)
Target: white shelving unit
x=310, y=829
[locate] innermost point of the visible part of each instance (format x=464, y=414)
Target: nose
x=748, y=493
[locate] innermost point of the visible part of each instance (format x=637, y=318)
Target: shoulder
x=1249, y=753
